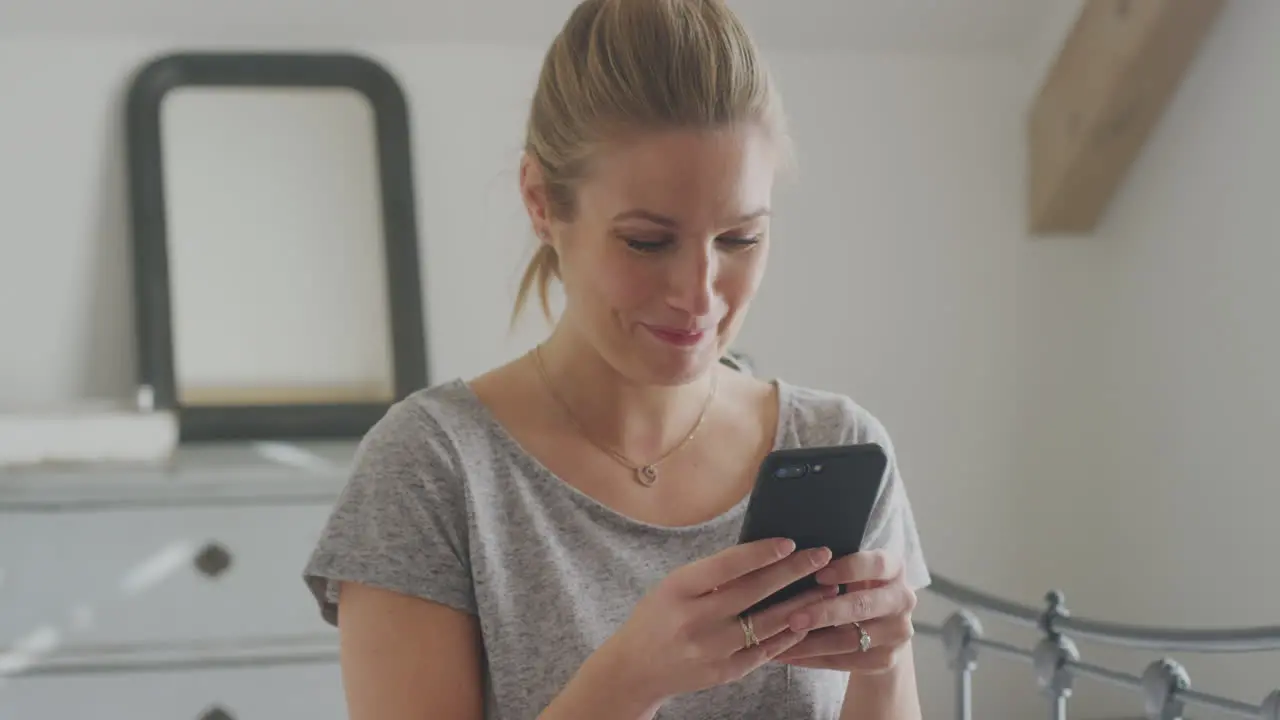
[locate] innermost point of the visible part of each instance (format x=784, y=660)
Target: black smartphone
x=817, y=497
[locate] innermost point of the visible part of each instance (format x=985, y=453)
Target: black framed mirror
x=276, y=261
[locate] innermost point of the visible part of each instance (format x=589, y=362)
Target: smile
x=676, y=336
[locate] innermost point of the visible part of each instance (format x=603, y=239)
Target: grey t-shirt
x=444, y=504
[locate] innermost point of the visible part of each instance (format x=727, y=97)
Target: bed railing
x=1164, y=685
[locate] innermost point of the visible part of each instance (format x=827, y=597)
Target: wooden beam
x=1113, y=77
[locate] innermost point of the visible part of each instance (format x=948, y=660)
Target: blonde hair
x=620, y=66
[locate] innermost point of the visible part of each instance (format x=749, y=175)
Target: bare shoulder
x=509, y=392
x=500, y=380
x=748, y=402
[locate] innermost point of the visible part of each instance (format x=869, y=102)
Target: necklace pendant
x=647, y=475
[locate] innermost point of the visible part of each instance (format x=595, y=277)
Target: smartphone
x=817, y=497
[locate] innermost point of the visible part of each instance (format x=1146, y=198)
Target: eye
x=739, y=243
x=659, y=244
x=647, y=246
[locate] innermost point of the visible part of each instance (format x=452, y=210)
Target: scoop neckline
x=558, y=484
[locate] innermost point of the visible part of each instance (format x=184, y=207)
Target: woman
x=556, y=537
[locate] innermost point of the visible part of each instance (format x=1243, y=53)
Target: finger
x=865, y=566
x=774, y=619
x=730, y=636
x=883, y=632
x=703, y=576
x=744, y=661
x=750, y=589
x=860, y=606
x=863, y=585
x=872, y=662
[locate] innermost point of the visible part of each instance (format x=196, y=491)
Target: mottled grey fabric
x=443, y=504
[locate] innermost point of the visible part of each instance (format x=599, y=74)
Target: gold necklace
x=646, y=475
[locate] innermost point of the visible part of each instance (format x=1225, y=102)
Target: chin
x=682, y=367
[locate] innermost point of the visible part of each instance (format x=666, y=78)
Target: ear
x=533, y=191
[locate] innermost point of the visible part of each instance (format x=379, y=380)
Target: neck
x=640, y=421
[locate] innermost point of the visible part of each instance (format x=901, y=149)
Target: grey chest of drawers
x=168, y=592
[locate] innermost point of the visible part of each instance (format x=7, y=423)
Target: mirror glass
x=278, y=289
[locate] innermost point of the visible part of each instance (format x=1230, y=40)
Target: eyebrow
x=663, y=220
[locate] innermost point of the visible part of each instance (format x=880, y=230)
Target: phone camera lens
x=790, y=471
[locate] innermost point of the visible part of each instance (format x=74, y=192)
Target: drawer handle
x=212, y=561
x=216, y=713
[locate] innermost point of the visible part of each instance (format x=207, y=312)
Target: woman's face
x=666, y=249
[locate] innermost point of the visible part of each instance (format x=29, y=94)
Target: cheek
x=739, y=279
x=612, y=282
x=629, y=284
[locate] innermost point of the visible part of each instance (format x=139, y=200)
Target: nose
x=693, y=284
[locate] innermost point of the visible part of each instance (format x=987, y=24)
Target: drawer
x=286, y=692
x=156, y=576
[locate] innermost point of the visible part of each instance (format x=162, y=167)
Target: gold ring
x=748, y=631
x=864, y=640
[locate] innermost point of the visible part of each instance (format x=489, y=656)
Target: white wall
x=1149, y=401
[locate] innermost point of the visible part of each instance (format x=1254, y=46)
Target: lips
x=677, y=336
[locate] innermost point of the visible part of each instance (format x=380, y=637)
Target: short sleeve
x=893, y=525
x=400, y=522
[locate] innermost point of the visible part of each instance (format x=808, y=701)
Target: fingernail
x=786, y=547
x=800, y=622
x=820, y=557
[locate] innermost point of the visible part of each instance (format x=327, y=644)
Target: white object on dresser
x=85, y=435
x=168, y=591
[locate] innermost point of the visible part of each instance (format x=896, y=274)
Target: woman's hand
x=685, y=634
x=876, y=599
